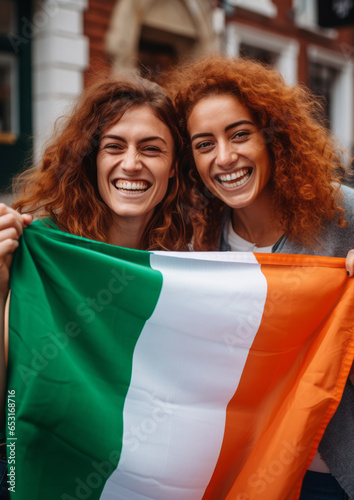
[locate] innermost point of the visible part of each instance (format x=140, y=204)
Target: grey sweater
x=335, y=241
x=337, y=445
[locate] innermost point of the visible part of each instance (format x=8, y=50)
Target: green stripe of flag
x=56, y=380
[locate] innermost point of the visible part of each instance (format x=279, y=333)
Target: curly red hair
x=64, y=184
x=306, y=163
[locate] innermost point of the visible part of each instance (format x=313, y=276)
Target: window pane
x=7, y=16
x=7, y=94
x=321, y=81
x=258, y=54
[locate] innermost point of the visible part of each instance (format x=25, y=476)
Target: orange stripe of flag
x=292, y=381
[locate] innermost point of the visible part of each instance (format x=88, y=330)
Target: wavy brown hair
x=64, y=183
x=305, y=159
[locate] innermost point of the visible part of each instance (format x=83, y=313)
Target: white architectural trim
x=60, y=54
x=287, y=49
x=264, y=7
x=218, y=21
x=341, y=110
x=306, y=15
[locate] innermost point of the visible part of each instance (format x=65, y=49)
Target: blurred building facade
x=51, y=49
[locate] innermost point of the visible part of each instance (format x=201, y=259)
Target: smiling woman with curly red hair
x=304, y=162
x=264, y=176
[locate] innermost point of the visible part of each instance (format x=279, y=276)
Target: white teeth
x=238, y=183
x=235, y=175
x=243, y=175
x=131, y=186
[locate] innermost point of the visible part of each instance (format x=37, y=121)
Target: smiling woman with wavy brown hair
x=63, y=185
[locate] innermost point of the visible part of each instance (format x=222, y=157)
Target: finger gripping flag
x=171, y=376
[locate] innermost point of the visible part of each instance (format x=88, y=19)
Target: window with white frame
x=305, y=13
x=280, y=52
x=331, y=75
x=306, y=16
x=15, y=88
x=322, y=80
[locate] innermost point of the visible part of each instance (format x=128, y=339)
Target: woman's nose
x=131, y=161
x=226, y=156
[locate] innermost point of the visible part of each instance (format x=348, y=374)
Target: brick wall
x=96, y=22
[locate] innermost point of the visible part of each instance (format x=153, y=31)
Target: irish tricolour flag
x=157, y=376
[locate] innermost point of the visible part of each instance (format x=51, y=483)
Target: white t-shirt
x=238, y=244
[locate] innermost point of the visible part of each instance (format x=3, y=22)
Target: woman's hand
x=11, y=227
x=349, y=263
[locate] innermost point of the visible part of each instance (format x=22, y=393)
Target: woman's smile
x=131, y=187
x=235, y=179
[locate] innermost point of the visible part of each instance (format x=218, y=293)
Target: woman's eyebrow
x=111, y=136
x=237, y=124
x=204, y=134
x=152, y=138
x=145, y=139
x=232, y=125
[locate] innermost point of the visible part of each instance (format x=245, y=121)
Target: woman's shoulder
x=348, y=197
x=334, y=241
x=46, y=222
x=339, y=240
x=346, y=201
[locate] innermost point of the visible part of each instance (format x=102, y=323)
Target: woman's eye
x=152, y=149
x=112, y=146
x=204, y=145
x=242, y=134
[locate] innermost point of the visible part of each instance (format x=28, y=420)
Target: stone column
x=60, y=54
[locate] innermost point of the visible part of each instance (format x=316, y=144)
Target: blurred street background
x=51, y=49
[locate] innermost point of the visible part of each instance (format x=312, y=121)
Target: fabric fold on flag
x=153, y=375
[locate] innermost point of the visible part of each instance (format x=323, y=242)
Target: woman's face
x=229, y=151
x=134, y=162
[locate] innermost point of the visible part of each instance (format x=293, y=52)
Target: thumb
x=27, y=219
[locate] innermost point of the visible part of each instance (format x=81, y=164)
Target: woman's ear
x=172, y=170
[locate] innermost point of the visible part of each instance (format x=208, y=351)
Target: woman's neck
x=128, y=232
x=256, y=223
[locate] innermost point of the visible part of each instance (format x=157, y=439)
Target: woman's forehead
x=141, y=120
